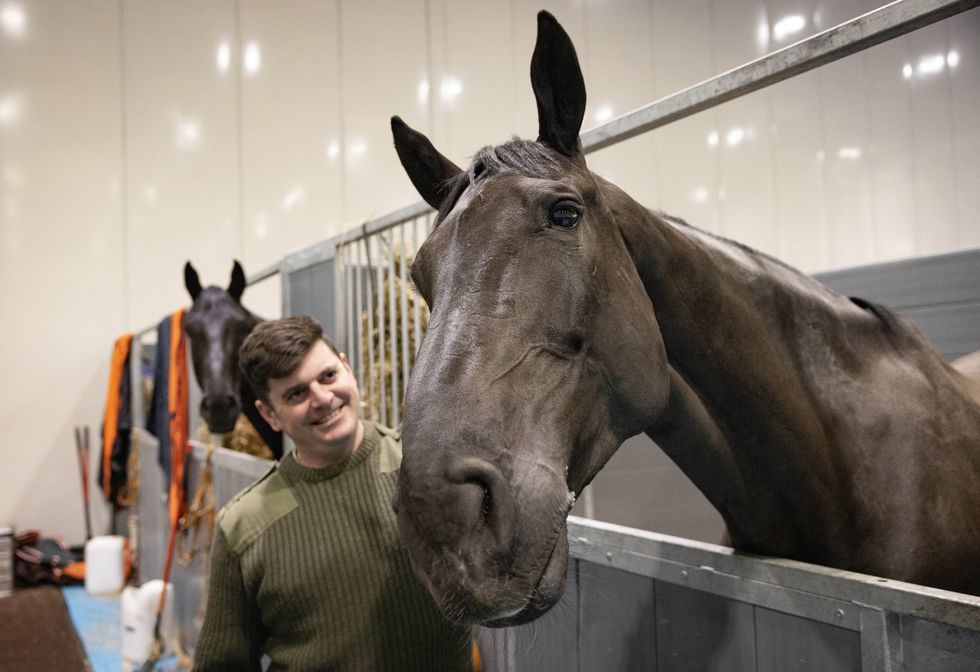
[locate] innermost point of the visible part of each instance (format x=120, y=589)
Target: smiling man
x=306, y=566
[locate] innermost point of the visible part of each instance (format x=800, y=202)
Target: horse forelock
x=524, y=157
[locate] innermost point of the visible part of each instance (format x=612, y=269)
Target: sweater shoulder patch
x=389, y=451
x=255, y=509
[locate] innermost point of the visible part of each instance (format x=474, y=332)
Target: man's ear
x=269, y=415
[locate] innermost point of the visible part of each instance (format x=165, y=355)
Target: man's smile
x=329, y=416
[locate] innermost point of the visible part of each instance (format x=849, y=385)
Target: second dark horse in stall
x=216, y=325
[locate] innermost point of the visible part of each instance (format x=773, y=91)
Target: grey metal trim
x=819, y=593
x=875, y=27
x=314, y=254
x=264, y=274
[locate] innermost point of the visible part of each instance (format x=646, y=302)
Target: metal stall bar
x=379, y=292
x=416, y=311
x=403, y=298
x=358, y=301
x=376, y=306
x=393, y=327
x=875, y=27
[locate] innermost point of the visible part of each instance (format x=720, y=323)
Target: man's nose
x=321, y=394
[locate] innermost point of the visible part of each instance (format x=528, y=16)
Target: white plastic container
x=139, y=615
x=105, y=573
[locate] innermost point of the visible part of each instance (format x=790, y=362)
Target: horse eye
x=565, y=215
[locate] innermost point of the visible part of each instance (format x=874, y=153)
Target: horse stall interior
x=635, y=599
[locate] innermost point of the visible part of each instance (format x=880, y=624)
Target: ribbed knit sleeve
x=232, y=637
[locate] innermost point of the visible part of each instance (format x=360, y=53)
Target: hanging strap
x=110, y=418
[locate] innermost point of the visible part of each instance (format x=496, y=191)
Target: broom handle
x=81, y=445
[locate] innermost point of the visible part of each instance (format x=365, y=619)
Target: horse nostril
x=483, y=492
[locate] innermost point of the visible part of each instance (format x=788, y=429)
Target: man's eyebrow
x=294, y=388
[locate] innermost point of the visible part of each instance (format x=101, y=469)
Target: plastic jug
x=139, y=614
x=105, y=572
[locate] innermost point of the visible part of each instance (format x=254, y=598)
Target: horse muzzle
x=461, y=527
x=220, y=412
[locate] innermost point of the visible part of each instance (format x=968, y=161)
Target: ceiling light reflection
x=13, y=20
x=953, y=59
x=188, y=133
x=788, y=25
x=423, y=92
x=450, y=89
x=604, y=113
x=252, y=58
x=851, y=153
x=223, y=57
x=333, y=149
x=293, y=198
x=762, y=35
x=713, y=138
x=907, y=71
x=735, y=136
x=930, y=65
x=11, y=109
x=699, y=195
x=356, y=148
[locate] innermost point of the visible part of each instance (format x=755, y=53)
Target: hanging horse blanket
x=168, y=416
x=117, y=422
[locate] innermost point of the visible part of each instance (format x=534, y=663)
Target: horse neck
x=740, y=420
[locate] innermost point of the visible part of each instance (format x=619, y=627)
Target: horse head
x=526, y=382
x=216, y=325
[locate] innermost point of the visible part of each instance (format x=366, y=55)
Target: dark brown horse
x=566, y=318
x=216, y=325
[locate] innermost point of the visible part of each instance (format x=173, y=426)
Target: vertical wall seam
x=126, y=285
x=341, y=114
x=240, y=140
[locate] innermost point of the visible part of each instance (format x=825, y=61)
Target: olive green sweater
x=306, y=568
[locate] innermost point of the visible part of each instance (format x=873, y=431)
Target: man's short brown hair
x=275, y=348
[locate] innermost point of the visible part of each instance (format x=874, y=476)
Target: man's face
x=317, y=406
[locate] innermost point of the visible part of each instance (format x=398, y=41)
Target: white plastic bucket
x=105, y=573
x=139, y=614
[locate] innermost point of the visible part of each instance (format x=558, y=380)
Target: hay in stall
x=370, y=331
x=243, y=438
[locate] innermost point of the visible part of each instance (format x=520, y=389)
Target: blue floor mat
x=98, y=621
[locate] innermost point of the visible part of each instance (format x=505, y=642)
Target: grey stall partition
x=644, y=601
x=231, y=472
x=940, y=294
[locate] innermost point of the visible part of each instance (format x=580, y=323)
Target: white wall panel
x=62, y=257
x=963, y=73
x=383, y=54
x=468, y=95
x=932, y=122
x=744, y=151
x=620, y=63
x=291, y=132
x=181, y=151
x=686, y=164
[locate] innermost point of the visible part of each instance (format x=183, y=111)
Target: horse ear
x=558, y=88
x=429, y=170
x=191, y=281
x=237, y=284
